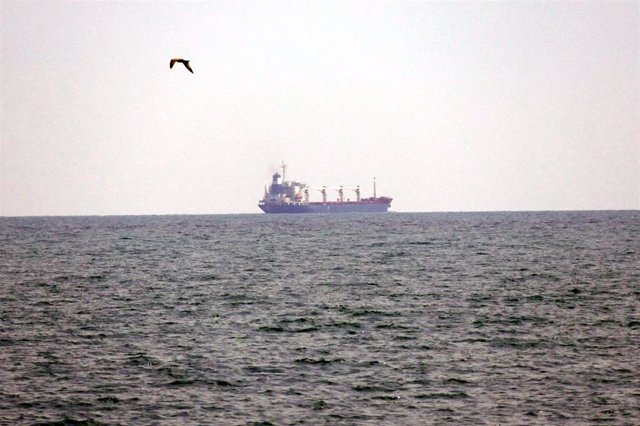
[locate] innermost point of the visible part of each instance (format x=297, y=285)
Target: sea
x=528, y=318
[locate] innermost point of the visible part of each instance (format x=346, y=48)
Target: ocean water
x=467, y=318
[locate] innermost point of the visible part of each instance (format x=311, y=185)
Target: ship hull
x=345, y=207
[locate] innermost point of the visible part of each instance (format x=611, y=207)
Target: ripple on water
x=527, y=318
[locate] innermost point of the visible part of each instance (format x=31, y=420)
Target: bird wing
x=173, y=61
x=186, y=64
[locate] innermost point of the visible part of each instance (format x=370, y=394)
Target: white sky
x=453, y=106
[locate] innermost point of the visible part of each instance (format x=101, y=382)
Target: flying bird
x=182, y=61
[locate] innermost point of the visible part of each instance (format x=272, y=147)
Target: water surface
x=468, y=318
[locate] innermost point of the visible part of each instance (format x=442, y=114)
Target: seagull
x=182, y=61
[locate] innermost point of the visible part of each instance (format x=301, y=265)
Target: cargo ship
x=285, y=196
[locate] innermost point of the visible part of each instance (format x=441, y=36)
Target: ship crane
x=322, y=190
x=308, y=188
x=356, y=189
x=340, y=190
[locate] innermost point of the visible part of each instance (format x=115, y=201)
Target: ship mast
x=284, y=169
x=374, y=188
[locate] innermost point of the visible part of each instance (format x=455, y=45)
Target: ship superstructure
x=285, y=196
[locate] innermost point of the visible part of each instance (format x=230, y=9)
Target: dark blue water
x=510, y=318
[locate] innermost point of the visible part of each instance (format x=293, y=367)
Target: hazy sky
x=514, y=105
